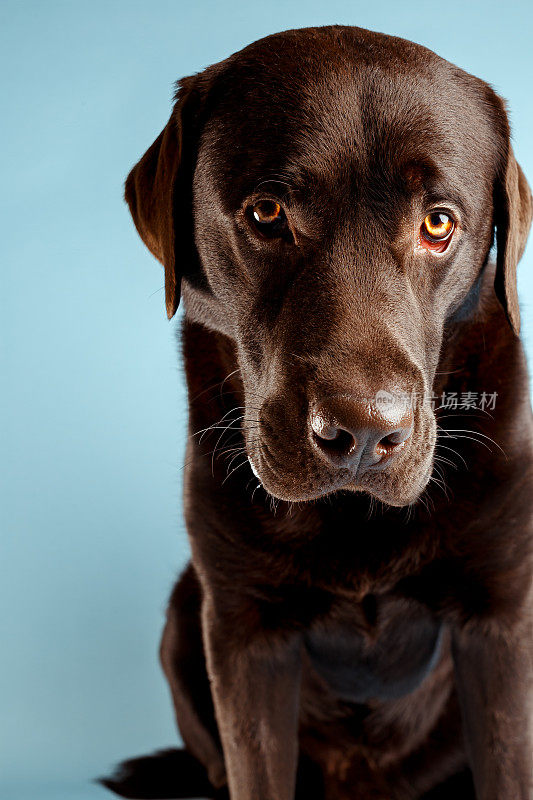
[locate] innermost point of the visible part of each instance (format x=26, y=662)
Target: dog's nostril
x=349, y=432
x=334, y=440
x=392, y=441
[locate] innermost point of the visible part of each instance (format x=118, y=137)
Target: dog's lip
x=316, y=494
x=404, y=501
x=346, y=480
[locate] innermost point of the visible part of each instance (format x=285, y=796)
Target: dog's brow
x=440, y=192
x=289, y=187
x=425, y=177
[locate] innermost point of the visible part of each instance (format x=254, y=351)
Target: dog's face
x=343, y=189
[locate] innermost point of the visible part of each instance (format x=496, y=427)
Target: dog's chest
x=391, y=662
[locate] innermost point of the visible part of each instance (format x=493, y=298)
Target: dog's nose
x=357, y=433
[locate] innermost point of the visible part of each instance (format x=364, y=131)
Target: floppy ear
x=513, y=212
x=159, y=194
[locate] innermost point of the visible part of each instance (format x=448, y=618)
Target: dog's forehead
x=322, y=101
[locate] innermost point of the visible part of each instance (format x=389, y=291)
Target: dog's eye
x=268, y=218
x=437, y=226
x=436, y=231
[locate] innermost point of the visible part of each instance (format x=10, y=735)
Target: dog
x=356, y=619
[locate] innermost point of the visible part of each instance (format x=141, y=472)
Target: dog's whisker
x=471, y=438
x=208, y=453
x=217, y=426
x=410, y=511
x=468, y=413
x=442, y=460
x=225, y=430
x=228, y=450
x=214, y=386
x=234, y=470
x=452, y=450
x=213, y=428
x=461, y=433
x=202, y=431
x=371, y=506
x=258, y=486
x=477, y=433
x=228, y=377
x=451, y=372
x=236, y=455
x=440, y=481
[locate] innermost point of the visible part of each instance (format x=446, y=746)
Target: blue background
x=93, y=400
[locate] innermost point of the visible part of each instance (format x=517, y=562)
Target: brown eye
x=267, y=211
x=268, y=218
x=436, y=230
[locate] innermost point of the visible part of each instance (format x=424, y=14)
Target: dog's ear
x=159, y=194
x=513, y=211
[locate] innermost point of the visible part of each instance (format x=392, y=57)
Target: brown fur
x=345, y=632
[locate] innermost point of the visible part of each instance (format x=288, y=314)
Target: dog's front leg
x=494, y=681
x=255, y=682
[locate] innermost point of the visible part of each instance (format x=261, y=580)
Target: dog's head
x=329, y=197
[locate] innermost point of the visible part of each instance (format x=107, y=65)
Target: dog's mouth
x=294, y=471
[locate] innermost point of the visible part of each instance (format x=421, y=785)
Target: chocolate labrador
x=356, y=618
